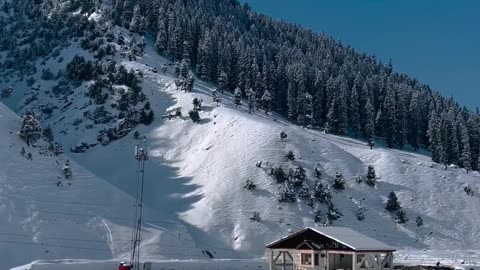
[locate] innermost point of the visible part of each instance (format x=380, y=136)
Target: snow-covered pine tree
x=449, y=133
x=289, y=156
x=251, y=99
x=386, y=118
x=317, y=114
x=369, y=120
x=31, y=129
x=473, y=128
x=137, y=24
x=223, y=82
x=184, y=69
x=237, y=94
x=371, y=178
x=48, y=134
x=413, y=118
x=333, y=213
x=465, y=156
x=299, y=176
x=304, y=192
x=287, y=194
x=392, y=203
x=292, y=101
x=162, y=38
x=401, y=217
x=267, y=101
x=434, y=136
x=337, y=115
x=354, y=109
x=401, y=116
x=339, y=181
x=419, y=221
x=317, y=214
x=322, y=193
x=279, y=174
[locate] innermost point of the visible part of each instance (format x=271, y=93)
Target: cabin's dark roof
x=331, y=238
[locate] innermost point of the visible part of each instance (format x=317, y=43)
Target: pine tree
x=30, y=130
x=449, y=133
x=223, y=82
x=434, y=135
x=289, y=156
x=137, y=25
x=401, y=217
x=465, y=156
x=337, y=115
x=267, y=101
x=354, y=116
x=279, y=174
x=249, y=185
x=299, y=176
x=333, y=213
x=287, y=194
x=339, y=182
x=419, y=221
x=413, y=122
x=369, y=121
x=118, y=11
x=386, y=118
x=371, y=178
x=184, y=69
x=292, y=102
x=48, y=134
x=317, y=114
x=322, y=193
x=251, y=99
x=360, y=213
x=238, y=96
x=401, y=118
x=392, y=204
x=304, y=192
x=162, y=39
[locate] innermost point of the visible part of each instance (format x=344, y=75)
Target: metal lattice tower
x=141, y=155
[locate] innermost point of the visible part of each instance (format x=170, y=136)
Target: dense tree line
x=313, y=79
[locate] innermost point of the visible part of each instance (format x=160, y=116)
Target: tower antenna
x=141, y=155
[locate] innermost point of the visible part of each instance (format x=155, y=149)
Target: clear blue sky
x=435, y=41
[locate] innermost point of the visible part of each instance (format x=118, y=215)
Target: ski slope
x=195, y=200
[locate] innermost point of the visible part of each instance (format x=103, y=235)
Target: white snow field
x=195, y=201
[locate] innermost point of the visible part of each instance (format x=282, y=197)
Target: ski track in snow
x=194, y=197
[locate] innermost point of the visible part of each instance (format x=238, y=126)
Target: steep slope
x=43, y=220
x=45, y=216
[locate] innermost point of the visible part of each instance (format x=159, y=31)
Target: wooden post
x=327, y=256
x=271, y=260
x=354, y=261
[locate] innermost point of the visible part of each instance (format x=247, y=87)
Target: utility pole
x=141, y=155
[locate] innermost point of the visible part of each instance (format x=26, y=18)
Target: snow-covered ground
x=194, y=178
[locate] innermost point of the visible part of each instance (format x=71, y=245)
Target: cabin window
x=306, y=259
x=315, y=258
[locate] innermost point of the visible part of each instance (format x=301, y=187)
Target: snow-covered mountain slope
x=45, y=216
x=195, y=178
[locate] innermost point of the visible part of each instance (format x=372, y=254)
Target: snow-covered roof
x=352, y=239
x=347, y=237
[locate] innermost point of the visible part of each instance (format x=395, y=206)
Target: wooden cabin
x=329, y=248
